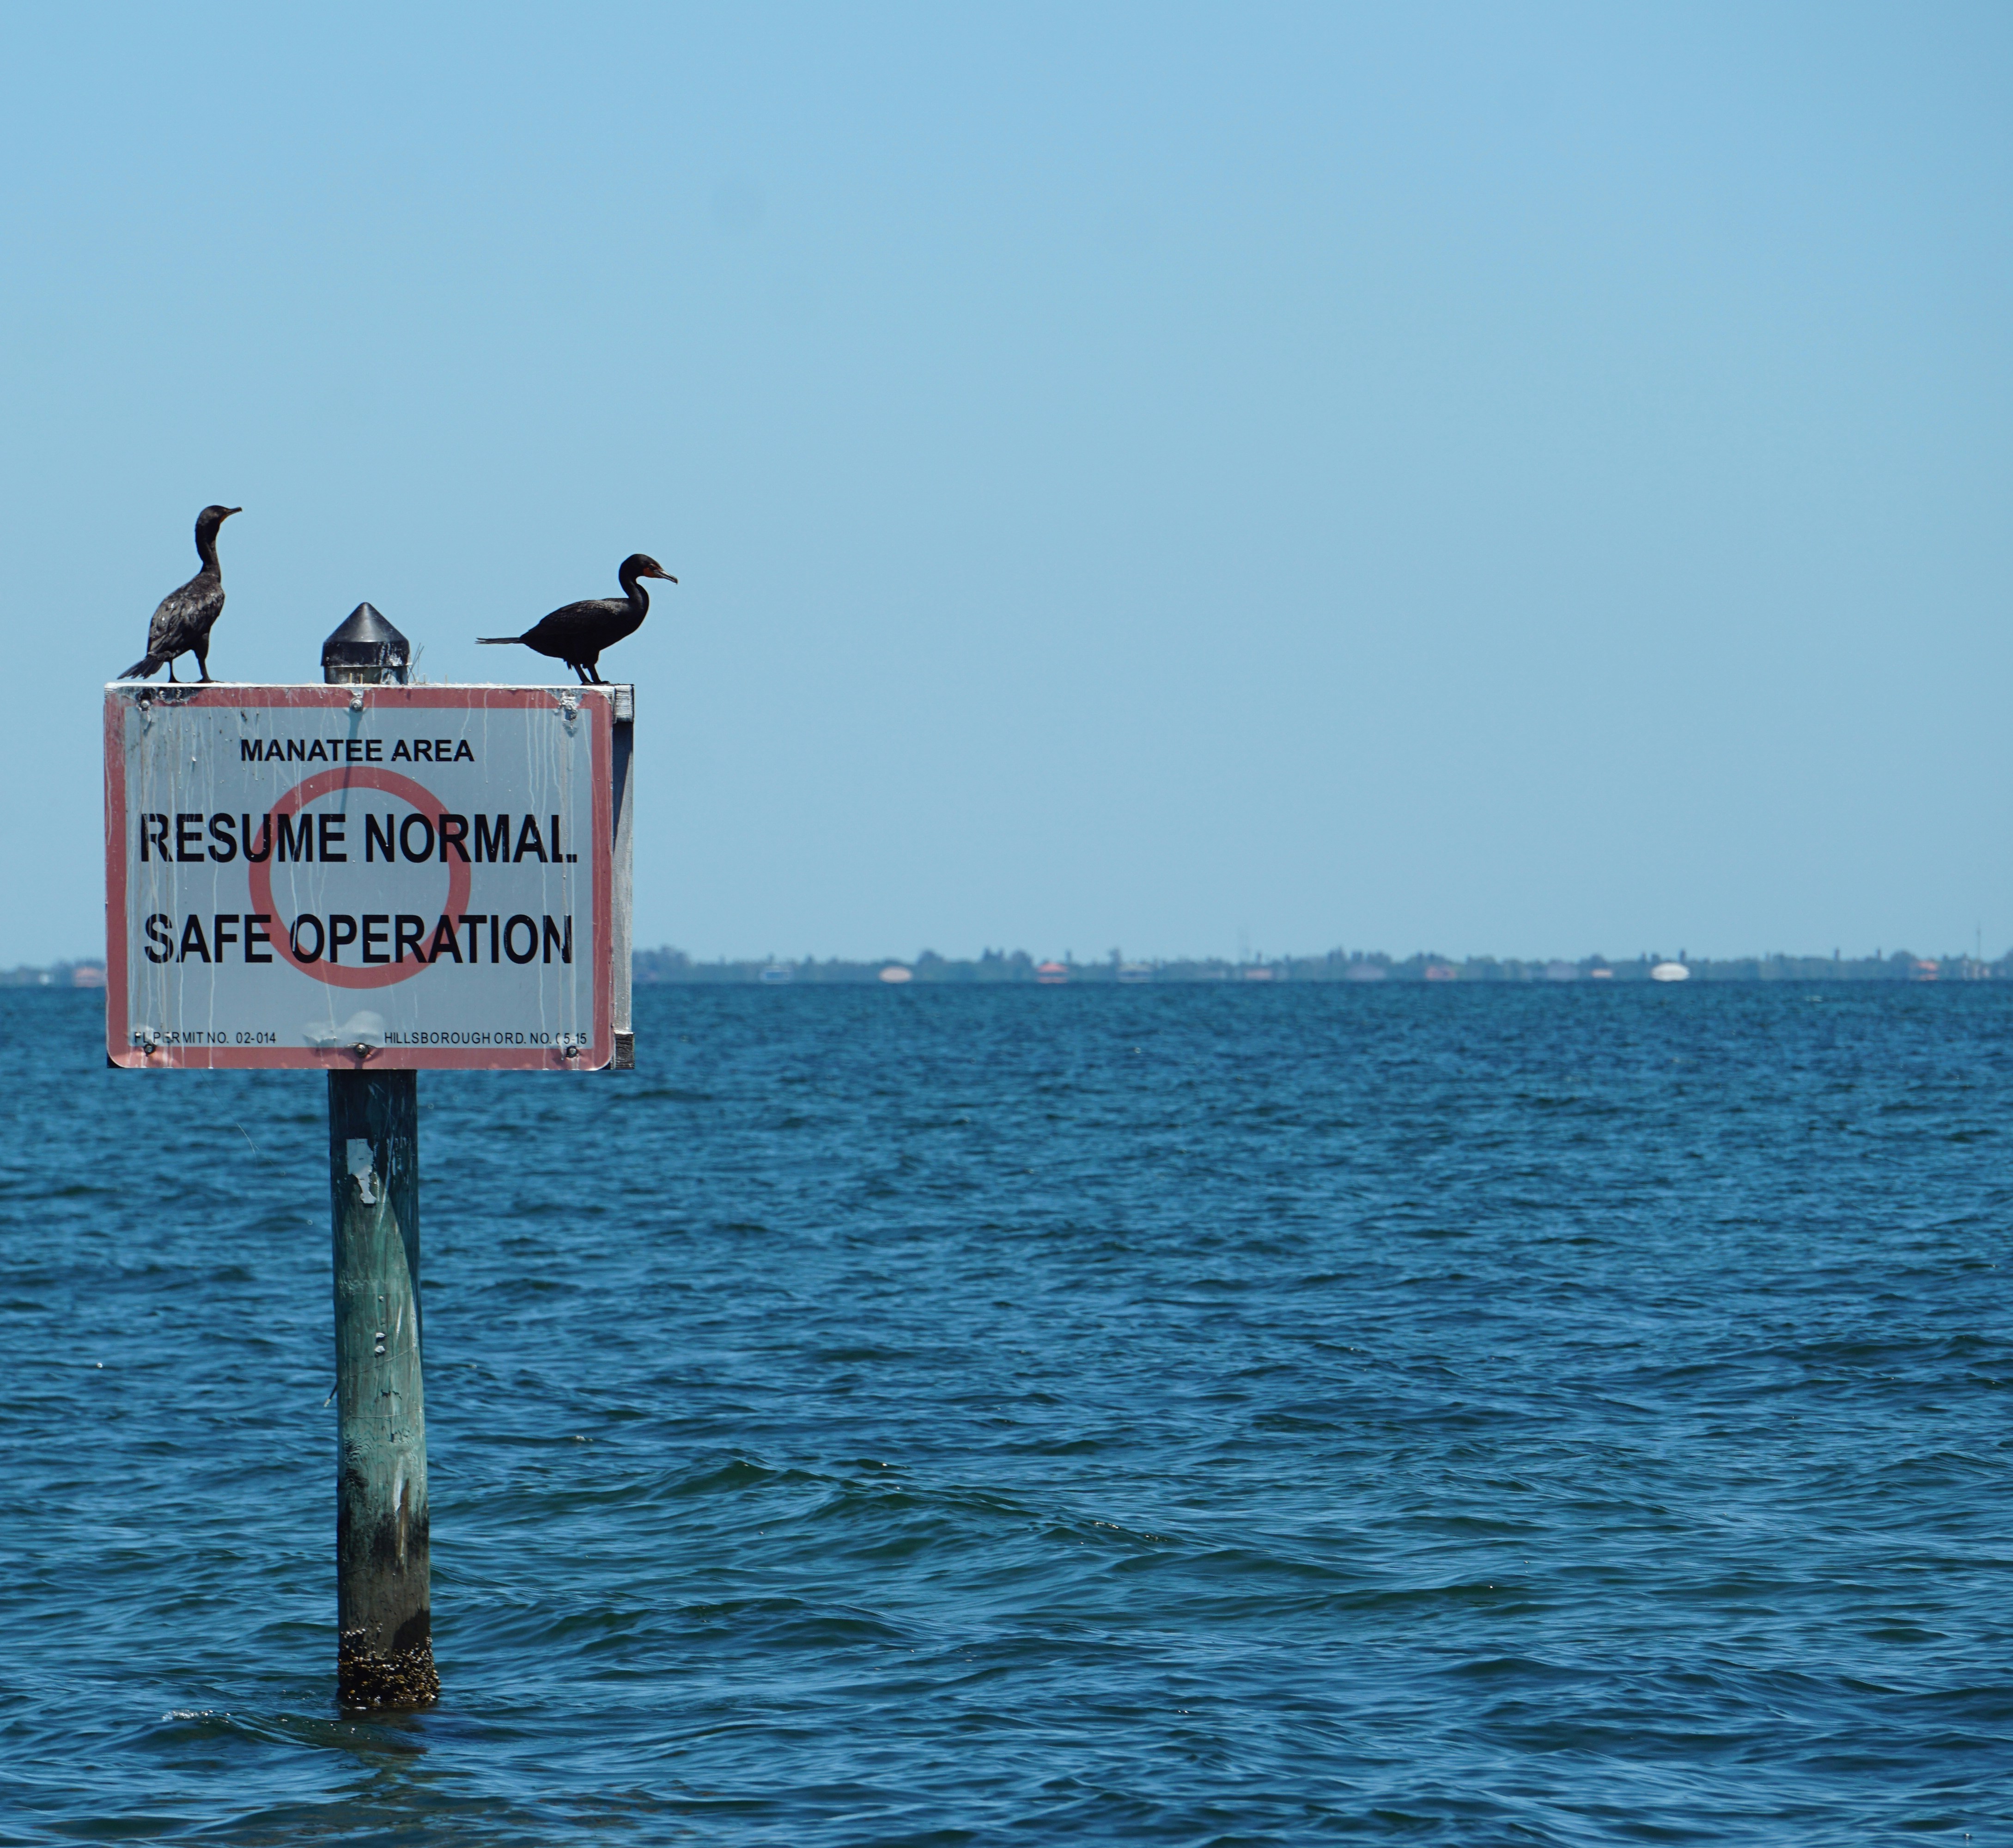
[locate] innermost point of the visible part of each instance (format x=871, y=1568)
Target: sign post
x=385, y=1650
x=384, y=1591
x=370, y=877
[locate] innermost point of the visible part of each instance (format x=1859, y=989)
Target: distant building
x=1051, y=973
x=1441, y=972
x=895, y=972
x=1670, y=972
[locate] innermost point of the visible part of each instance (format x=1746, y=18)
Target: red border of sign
x=598, y=702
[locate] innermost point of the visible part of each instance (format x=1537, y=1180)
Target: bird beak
x=229, y=511
x=667, y=577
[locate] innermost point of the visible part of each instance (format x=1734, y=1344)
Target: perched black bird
x=182, y=623
x=577, y=634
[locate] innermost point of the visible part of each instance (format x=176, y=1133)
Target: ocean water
x=1568, y=1415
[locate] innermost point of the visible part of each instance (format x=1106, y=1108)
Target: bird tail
x=146, y=664
x=497, y=641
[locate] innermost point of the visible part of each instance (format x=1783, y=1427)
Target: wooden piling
x=384, y=1653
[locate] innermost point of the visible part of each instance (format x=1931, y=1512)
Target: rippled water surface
x=1574, y=1415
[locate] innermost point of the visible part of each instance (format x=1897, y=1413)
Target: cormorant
x=577, y=634
x=182, y=623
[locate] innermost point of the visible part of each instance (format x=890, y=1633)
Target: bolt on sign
x=410, y=876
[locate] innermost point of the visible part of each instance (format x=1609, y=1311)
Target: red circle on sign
x=360, y=776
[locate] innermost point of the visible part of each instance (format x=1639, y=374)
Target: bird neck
x=205, y=548
x=634, y=591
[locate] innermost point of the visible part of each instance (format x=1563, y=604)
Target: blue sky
x=1519, y=481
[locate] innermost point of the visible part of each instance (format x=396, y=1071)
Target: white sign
x=336, y=875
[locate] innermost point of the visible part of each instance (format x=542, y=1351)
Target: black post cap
x=366, y=640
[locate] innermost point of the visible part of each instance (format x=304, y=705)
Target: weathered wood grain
x=385, y=1656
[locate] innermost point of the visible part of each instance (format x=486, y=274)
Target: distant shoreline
x=655, y=968
x=672, y=966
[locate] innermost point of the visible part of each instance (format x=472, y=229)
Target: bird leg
x=580, y=669
x=171, y=667
x=202, y=662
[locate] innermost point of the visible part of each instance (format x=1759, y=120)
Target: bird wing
x=183, y=615
x=576, y=625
